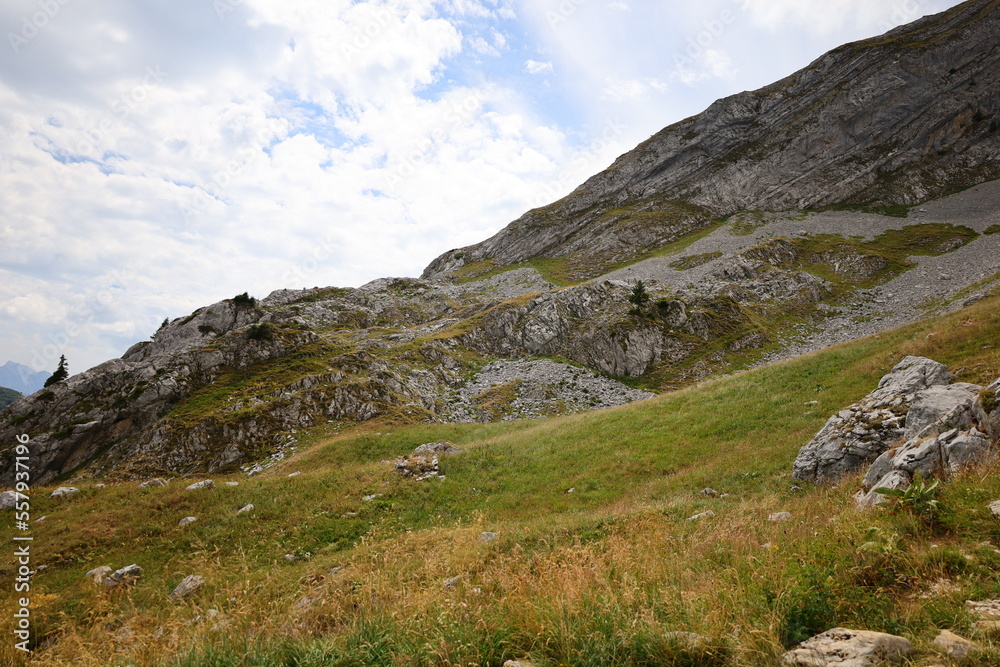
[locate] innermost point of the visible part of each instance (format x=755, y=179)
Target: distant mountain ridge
x=22, y=379
x=893, y=120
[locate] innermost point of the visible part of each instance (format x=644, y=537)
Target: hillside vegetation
x=593, y=576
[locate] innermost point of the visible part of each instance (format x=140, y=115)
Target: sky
x=157, y=156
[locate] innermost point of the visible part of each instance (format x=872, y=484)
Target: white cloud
x=537, y=67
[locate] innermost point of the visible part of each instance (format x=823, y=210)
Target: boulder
x=859, y=434
x=701, y=515
x=246, y=508
x=204, y=484
x=186, y=520
x=190, y=585
x=126, y=576
x=995, y=508
x=8, y=499
x=64, y=491
x=849, y=648
x=778, y=517
x=894, y=479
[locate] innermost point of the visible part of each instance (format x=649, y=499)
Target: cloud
x=536, y=67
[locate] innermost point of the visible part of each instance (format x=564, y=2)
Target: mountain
x=22, y=379
x=8, y=396
x=851, y=197
x=894, y=120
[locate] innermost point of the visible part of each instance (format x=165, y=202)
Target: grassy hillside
x=8, y=396
x=595, y=576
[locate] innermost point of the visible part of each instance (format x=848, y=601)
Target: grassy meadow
x=599, y=575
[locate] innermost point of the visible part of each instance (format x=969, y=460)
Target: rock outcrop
x=914, y=424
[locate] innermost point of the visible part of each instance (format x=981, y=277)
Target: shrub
x=244, y=301
x=264, y=331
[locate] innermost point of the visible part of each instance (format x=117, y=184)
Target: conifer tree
x=61, y=372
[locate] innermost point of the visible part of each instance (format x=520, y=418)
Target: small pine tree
x=639, y=297
x=61, y=372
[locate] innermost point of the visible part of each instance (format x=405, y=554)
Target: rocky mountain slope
x=893, y=120
x=485, y=336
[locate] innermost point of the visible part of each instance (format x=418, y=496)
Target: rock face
x=913, y=108
x=849, y=648
x=861, y=432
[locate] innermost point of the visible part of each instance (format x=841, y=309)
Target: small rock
x=794, y=489
x=125, y=576
x=190, y=585
x=571, y=490
x=186, y=520
x=246, y=508
x=291, y=558
x=41, y=518
x=840, y=646
x=450, y=583
x=295, y=474
x=8, y=499
x=99, y=486
x=64, y=491
x=487, y=537
x=518, y=663
x=97, y=574
x=204, y=484
x=778, y=517
x=709, y=492
x=985, y=609
x=232, y=483
x=995, y=508
x=957, y=647
x=153, y=482
x=701, y=515
x=370, y=498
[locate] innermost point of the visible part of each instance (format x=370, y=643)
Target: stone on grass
x=124, y=577
x=188, y=586
x=97, y=574
x=295, y=474
x=157, y=481
x=8, y=499
x=487, y=537
x=957, y=647
x=232, y=483
x=701, y=515
x=99, y=486
x=450, y=582
x=246, y=508
x=64, y=491
x=204, y=484
x=984, y=609
x=995, y=508
x=418, y=466
x=849, y=648
x=186, y=520
x=778, y=517
x=443, y=448
x=518, y=663
x=709, y=492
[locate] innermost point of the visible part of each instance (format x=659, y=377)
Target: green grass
x=596, y=576
x=992, y=229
